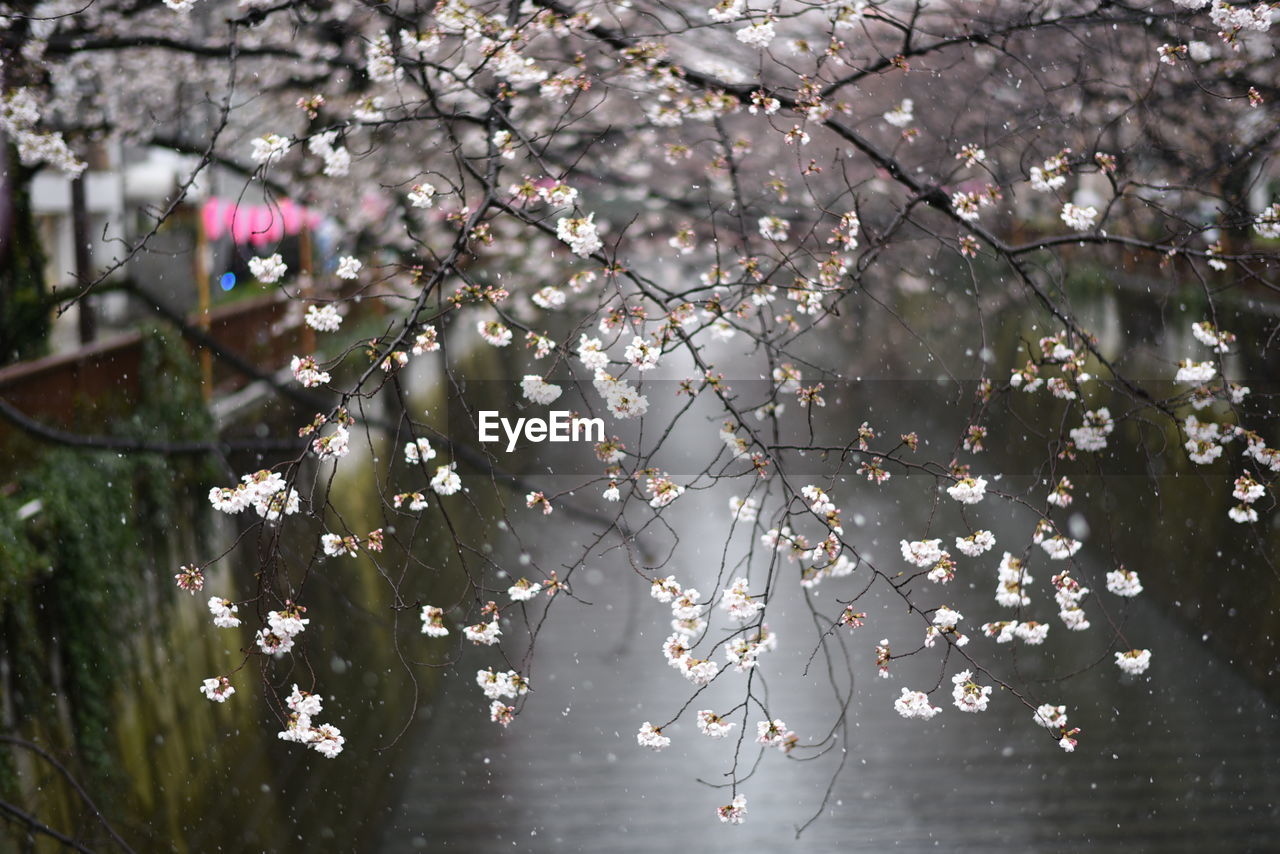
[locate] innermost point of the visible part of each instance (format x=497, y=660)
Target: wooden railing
x=77, y=390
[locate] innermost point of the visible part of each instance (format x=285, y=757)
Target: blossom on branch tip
x=217, y=689
x=538, y=390
x=306, y=371
x=494, y=332
x=485, y=634
x=446, y=480
x=773, y=733
x=1123, y=582
x=968, y=490
x=269, y=149
x=433, y=622
x=711, y=724
x=1079, y=218
x=190, y=579
x=501, y=713
x=224, y=612
x=977, y=543
x=523, y=590
x=968, y=695
x=915, y=705
x=651, y=737
x=268, y=270
x=735, y=812
x=901, y=115
x=1134, y=662
x=757, y=35
x=579, y=234
x=348, y=267
x=323, y=318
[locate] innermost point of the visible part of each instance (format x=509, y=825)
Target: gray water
x=1183, y=758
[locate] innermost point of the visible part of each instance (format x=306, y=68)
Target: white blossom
x=1194, y=373
x=539, y=390
x=757, y=35
x=483, y=633
x=1051, y=717
x=446, y=480
x=217, y=689
x=1079, y=218
x=268, y=270
x=977, y=543
x=523, y=590
x=1134, y=662
x=651, y=737
x=735, y=812
x=422, y=195
x=711, y=724
x=269, y=149
x=915, y=704
x=323, y=318
x=579, y=234
x=1124, y=582
x=968, y=490
x=433, y=622
x=348, y=267
x=968, y=695
x=224, y=612
x=901, y=115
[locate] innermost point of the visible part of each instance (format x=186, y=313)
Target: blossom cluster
x=265, y=491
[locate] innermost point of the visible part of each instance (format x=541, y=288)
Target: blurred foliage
x=24, y=314
x=69, y=573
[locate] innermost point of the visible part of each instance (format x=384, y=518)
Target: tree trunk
x=24, y=314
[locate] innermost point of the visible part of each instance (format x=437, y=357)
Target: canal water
x=1185, y=757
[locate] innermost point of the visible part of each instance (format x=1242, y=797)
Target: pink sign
x=255, y=224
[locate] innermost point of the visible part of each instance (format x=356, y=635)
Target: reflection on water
x=1184, y=760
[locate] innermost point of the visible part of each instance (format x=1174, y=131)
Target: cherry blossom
x=713, y=725
x=190, y=578
x=325, y=318
x=1079, y=218
x=735, y=812
x=968, y=695
x=269, y=269
x=915, y=705
x=651, y=737
x=217, y=689
x=1134, y=662
x=901, y=115
x=446, y=481
x=968, y=490
x=224, y=612
x=348, y=267
x=579, y=234
x=523, y=590
x=485, y=634
x=1123, y=582
x=433, y=622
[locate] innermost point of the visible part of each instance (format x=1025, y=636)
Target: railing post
x=202, y=291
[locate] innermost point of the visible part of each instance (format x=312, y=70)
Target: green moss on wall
x=74, y=574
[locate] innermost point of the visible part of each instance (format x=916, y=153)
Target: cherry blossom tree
x=645, y=205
